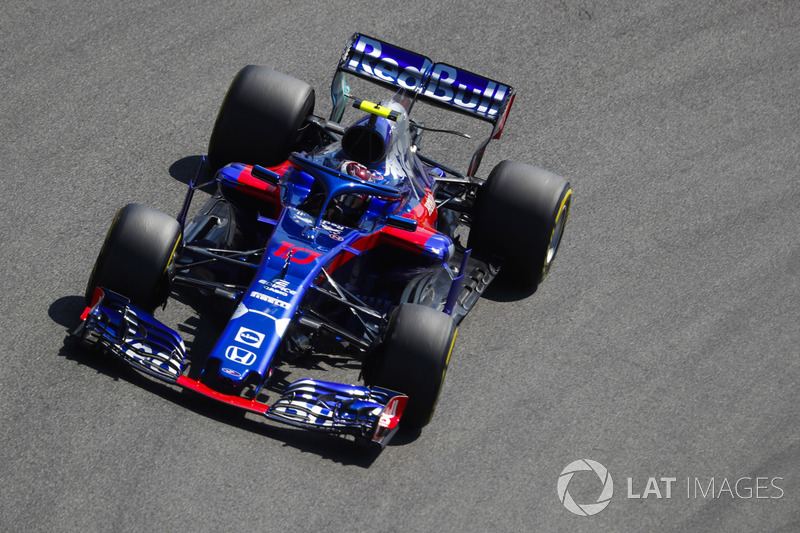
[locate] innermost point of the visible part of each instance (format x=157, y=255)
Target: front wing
x=128, y=332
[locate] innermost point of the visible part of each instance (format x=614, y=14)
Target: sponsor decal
x=390, y=416
x=429, y=202
x=240, y=355
x=249, y=337
x=466, y=91
x=333, y=230
x=331, y=227
x=269, y=300
x=441, y=82
x=389, y=64
x=301, y=217
x=278, y=286
x=232, y=372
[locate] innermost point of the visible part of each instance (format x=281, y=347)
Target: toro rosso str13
x=329, y=239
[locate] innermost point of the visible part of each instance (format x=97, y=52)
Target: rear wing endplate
x=439, y=84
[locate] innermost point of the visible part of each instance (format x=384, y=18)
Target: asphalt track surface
x=663, y=345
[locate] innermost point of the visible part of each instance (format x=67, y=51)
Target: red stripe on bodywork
x=412, y=241
x=237, y=401
x=249, y=184
x=425, y=212
x=97, y=295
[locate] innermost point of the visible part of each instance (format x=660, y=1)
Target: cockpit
x=352, y=182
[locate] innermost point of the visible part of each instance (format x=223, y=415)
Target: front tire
x=519, y=216
x=413, y=359
x=136, y=256
x=259, y=120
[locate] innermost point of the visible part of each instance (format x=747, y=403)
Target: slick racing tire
x=136, y=256
x=260, y=118
x=413, y=359
x=519, y=216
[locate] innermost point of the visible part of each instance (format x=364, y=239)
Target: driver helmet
x=357, y=170
x=355, y=202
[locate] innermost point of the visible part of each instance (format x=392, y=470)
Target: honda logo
x=239, y=355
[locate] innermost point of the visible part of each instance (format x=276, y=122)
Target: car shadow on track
x=503, y=290
x=66, y=312
x=186, y=168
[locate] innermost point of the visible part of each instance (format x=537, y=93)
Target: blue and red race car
x=329, y=238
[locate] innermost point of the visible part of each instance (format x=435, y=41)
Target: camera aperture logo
x=751, y=487
x=585, y=509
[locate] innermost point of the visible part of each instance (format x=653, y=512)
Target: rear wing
x=439, y=84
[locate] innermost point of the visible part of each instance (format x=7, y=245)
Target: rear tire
x=413, y=359
x=519, y=216
x=259, y=120
x=136, y=255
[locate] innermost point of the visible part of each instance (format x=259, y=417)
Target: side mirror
x=262, y=173
x=405, y=224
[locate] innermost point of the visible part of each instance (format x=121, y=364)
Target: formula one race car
x=328, y=238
